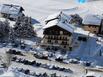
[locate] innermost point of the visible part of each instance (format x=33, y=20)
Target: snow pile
x=8, y=74
x=97, y=74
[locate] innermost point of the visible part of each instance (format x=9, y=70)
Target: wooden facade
x=57, y=37
x=93, y=23
x=91, y=28
x=97, y=29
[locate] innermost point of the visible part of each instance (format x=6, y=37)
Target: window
x=62, y=42
x=52, y=37
x=70, y=48
x=89, y=26
x=69, y=34
x=65, y=38
x=95, y=32
x=82, y=39
x=50, y=32
x=56, y=37
x=60, y=37
x=95, y=27
x=46, y=36
x=65, y=33
x=64, y=46
x=65, y=43
x=49, y=41
x=79, y=38
x=61, y=32
x=56, y=41
x=56, y=32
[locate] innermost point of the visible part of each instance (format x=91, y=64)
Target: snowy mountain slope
x=40, y=9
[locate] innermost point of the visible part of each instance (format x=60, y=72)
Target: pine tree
x=12, y=37
x=4, y=29
x=23, y=28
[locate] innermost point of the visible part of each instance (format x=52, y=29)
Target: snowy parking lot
x=78, y=70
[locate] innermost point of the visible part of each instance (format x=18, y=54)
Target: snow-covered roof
x=92, y=19
x=61, y=24
x=53, y=16
x=10, y=9
x=59, y=15
x=61, y=21
x=81, y=31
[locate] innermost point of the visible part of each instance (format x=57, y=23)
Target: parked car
x=74, y=61
x=85, y=63
x=66, y=61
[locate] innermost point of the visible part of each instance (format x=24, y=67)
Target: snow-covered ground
x=78, y=70
x=40, y=9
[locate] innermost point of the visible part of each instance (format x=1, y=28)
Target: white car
x=75, y=61
x=66, y=61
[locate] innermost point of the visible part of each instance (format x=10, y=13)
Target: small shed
x=11, y=11
x=92, y=23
